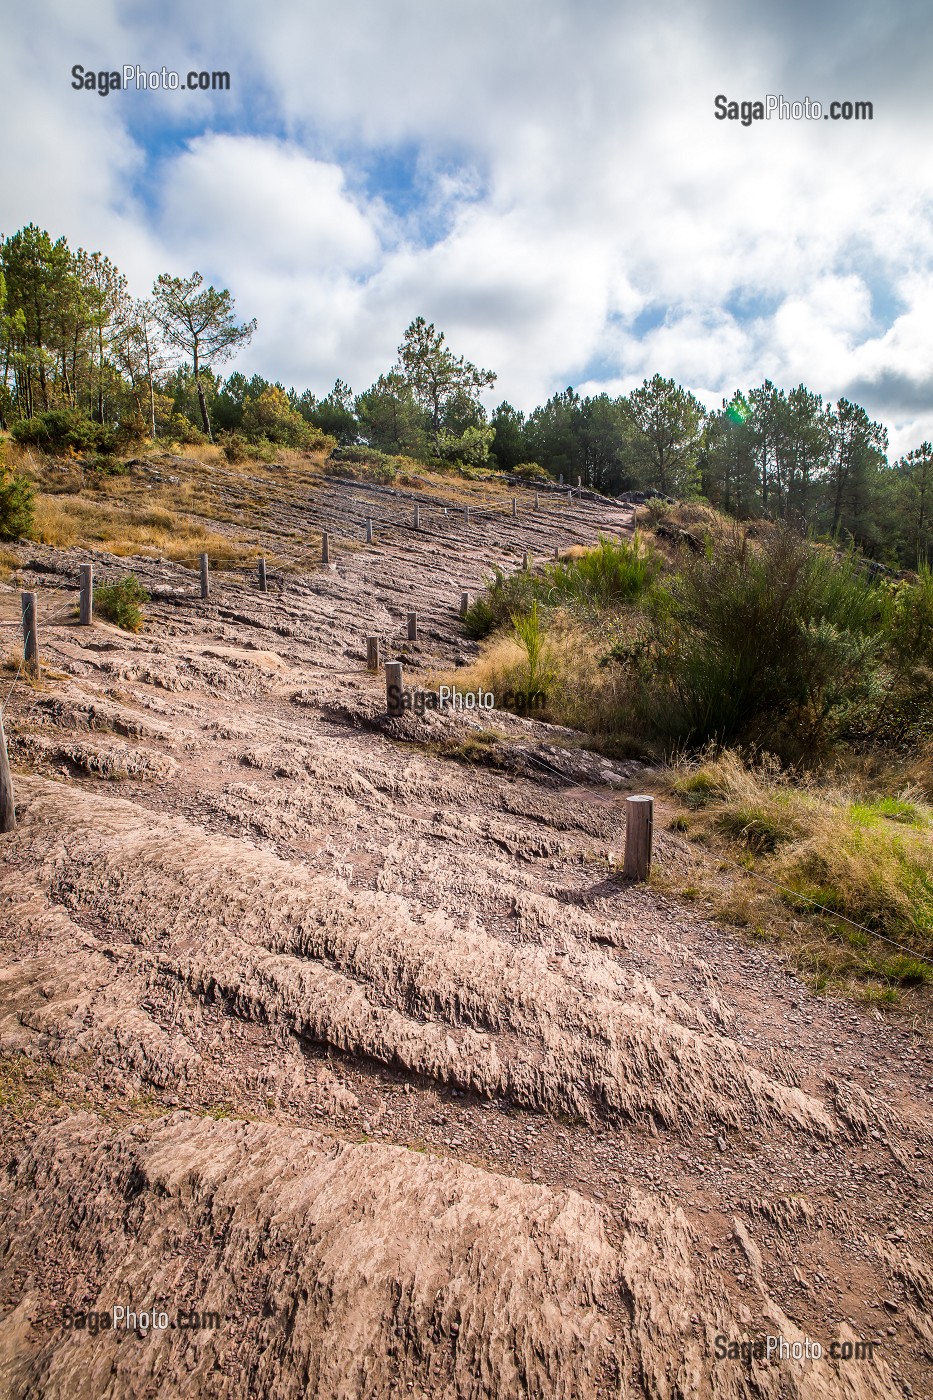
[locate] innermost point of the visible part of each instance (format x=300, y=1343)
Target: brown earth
x=307, y=1023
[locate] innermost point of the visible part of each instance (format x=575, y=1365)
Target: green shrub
x=479, y=619
x=17, y=507
x=120, y=602
x=616, y=571
x=774, y=642
x=65, y=429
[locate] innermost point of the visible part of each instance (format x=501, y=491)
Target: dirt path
x=371, y=1053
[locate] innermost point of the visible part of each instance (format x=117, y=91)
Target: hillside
x=313, y=1021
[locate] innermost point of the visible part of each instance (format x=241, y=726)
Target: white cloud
x=567, y=174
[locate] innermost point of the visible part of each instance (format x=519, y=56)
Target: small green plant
x=529, y=633
x=120, y=602
x=16, y=504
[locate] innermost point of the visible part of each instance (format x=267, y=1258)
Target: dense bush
x=120, y=602
x=63, y=430
x=774, y=641
x=16, y=503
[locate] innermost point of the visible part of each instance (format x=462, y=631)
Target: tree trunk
x=202, y=402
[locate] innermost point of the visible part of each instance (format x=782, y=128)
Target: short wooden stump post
x=325, y=547
x=394, y=694
x=537, y=501
x=412, y=626
x=372, y=653
x=526, y=560
x=416, y=520
x=7, y=808
x=464, y=604
x=369, y=529
x=263, y=582
x=205, y=576
x=86, y=604
x=514, y=506
x=639, y=826
x=30, y=634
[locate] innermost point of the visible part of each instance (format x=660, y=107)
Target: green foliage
x=63, y=430
x=16, y=502
x=479, y=619
x=616, y=571
x=773, y=641
x=120, y=602
x=528, y=631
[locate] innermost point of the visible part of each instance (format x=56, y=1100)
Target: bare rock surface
x=346, y=1033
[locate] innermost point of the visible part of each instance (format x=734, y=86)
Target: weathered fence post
x=412, y=626
x=514, y=506
x=570, y=494
x=579, y=483
x=372, y=653
x=464, y=604
x=394, y=696
x=417, y=517
x=325, y=547
x=205, y=576
x=7, y=808
x=556, y=551
x=537, y=501
x=30, y=634
x=86, y=605
x=526, y=560
x=263, y=584
x=639, y=826
x=561, y=478
x=369, y=529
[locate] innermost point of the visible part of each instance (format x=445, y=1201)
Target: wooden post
x=464, y=604
x=394, y=702
x=369, y=529
x=526, y=560
x=325, y=547
x=86, y=606
x=7, y=807
x=562, y=478
x=372, y=653
x=205, y=576
x=579, y=483
x=514, y=506
x=570, y=494
x=30, y=634
x=417, y=518
x=263, y=584
x=537, y=501
x=556, y=552
x=412, y=626
x=639, y=826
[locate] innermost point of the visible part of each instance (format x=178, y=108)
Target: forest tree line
x=85, y=364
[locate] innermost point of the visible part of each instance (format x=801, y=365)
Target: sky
x=545, y=180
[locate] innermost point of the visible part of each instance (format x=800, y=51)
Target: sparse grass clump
x=120, y=602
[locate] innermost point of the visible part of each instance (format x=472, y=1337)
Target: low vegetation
x=120, y=602
x=703, y=654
